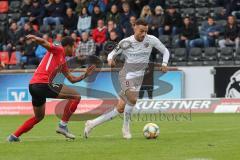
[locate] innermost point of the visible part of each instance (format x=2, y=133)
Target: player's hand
x=31, y=37
x=90, y=70
x=164, y=69
x=111, y=63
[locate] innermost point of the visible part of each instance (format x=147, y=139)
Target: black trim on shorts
x=41, y=91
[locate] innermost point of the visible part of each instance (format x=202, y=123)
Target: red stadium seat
x=4, y=57
x=13, y=59
x=3, y=6
x=35, y=27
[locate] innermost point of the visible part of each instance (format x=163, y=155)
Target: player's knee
x=120, y=109
x=77, y=98
x=133, y=101
x=40, y=117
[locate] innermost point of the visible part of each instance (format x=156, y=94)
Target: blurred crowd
x=98, y=25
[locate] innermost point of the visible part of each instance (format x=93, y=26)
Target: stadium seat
x=15, y=67
x=186, y=3
x=14, y=16
x=216, y=12
x=187, y=12
x=45, y=29
x=221, y=22
x=3, y=6
x=174, y=3
x=210, y=56
x=166, y=40
x=237, y=57
x=195, y=57
x=4, y=57
x=201, y=3
x=226, y=56
x=30, y=66
x=14, y=6
x=13, y=59
x=57, y=29
x=179, y=57
x=212, y=3
x=202, y=13
x=3, y=17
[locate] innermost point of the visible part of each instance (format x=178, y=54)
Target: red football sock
x=28, y=125
x=69, y=109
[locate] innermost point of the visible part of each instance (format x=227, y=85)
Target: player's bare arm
x=39, y=41
x=74, y=79
x=111, y=63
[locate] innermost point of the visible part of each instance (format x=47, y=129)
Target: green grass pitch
x=205, y=137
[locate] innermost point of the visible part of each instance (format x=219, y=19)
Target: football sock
x=127, y=115
x=28, y=125
x=105, y=117
x=69, y=109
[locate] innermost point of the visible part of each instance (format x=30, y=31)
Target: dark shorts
x=41, y=91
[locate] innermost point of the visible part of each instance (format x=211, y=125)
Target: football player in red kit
x=41, y=86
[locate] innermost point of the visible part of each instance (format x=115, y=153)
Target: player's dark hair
x=141, y=21
x=67, y=41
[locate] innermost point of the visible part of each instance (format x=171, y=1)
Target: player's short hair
x=141, y=21
x=67, y=41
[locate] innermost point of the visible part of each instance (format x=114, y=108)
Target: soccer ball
x=151, y=131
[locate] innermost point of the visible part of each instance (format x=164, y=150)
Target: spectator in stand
x=24, y=31
x=55, y=13
x=233, y=7
x=76, y=38
x=58, y=39
x=3, y=39
x=28, y=53
x=208, y=34
x=36, y=13
x=25, y=12
x=69, y=22
x=128, y=27
x=80, y=4
x=188, y=32
x=109, y=45
x=86, y=46
x=113, y=14
x=156, y=21
x=13, y=35
x=172, y=23
x=84, y=21
x=112, y=26
x=99, y=35
x=146, y=13
x=231, y=34
x=96, y=15
x=40, y=50
x=137, y=5
x=99, y=3
x=127, y=13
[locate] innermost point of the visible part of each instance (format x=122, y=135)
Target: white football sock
x=127, y=115
x=105, y=117
x=62, y=123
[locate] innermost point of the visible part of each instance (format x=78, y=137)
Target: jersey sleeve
x=161, y=48
x=64, y=67
x=55, y=49
x=116, y=51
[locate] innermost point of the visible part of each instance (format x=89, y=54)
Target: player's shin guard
x=28, y=125
x=70, y=108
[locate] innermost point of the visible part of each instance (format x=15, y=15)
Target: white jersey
x=137, y=53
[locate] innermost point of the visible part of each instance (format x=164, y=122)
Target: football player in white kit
x=136, y=49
